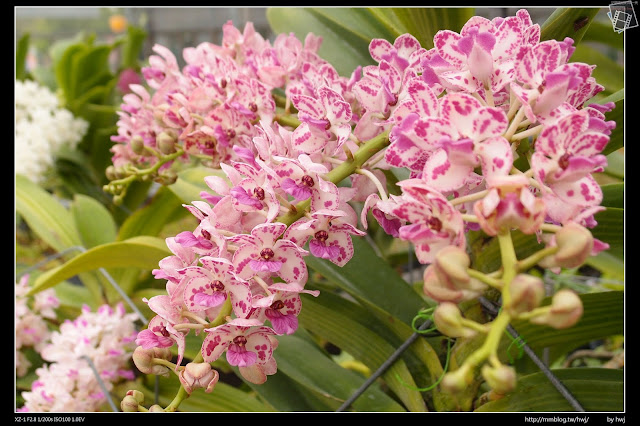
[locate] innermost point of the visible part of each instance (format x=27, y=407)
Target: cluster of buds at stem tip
x=198, y=375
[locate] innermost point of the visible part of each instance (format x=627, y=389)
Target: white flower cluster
x=42, y=128
x=107, y=338
x=31, y=326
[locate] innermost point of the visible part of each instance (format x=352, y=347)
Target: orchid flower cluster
x=286, y=129
x=100, y=342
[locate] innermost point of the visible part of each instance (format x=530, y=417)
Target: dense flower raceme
x=67, y=382
x=454, y=116
x=43, y=127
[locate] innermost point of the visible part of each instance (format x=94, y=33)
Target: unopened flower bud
x=137, y=144
x=457, y=381
x=447, y=279
x=143, y=359
x=110, y=172
x=527, y=292
x=501, y=379
x=166, y=142
x=158, y=113
x=139, y=396
x=129, y=404
x=575, y=244
x=155, y=408
x=448, y=320
x=198, y=375
x=566, y=309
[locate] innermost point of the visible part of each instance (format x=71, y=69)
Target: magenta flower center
x=231, y=133
x=253, y=107
x=223, y=83
x=563, y=162
x=277, y=305
x=321, y=236
x=218, y=285
x=259, y=193
x=267, y=254
x=307, y=180
x=434, y=223
x=240, y=341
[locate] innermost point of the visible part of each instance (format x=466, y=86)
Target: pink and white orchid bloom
x=510, y=204
x=248, y=344
x=262, y=253
x=281, y=307
x=566, y=154
x=328, y=234
x=160, y=333
x=207, y=287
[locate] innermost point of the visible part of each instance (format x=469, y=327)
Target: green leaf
x=568, y=22
x=45, y=215
x=610, y=229
x=349, y=327
x=164, y=208
x=132, y=47
x=191, y=182
x=615, y=165
x=611, y=267
x=597, y=389
x=307, y=365
x=139, y=252
x=613, y=195
x=93, y=221
x=602, y=32
x=22, y=48
x=370, y=277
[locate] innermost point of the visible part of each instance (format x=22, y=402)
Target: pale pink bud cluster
x=31, y=328
x=68, y=382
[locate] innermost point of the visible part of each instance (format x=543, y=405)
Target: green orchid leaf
x=381, y=284
x=610, y=229
x=327, y=379
x=601, y=32
x=22, y=48
x=191, y=182
x=596, y=389
x=139, y=252
x=44, y=214
x=611, y=267
x=352, y=329
x=568, y=22
x=165, y=207
x=93, y=221
x=613, y=195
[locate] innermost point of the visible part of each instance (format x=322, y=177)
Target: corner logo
x=622, y=16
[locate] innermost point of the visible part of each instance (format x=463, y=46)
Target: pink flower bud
x=527, y=292
x=166, y=142
x=155, y=408
x=139, y=396
x=447, y=279
x=500, y=379
x=575, y=244
x=198, y=375
x=566, y=309
x=448, y=320
x=129, y=404
x=143, y=359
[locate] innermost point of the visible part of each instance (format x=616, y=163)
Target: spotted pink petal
x=216, y=341
x=584, y=192
x=421, y=100
x=460, y=110
x=503, y=74
x=241, y=258
x=307, y=141
x=446, y=43
x=461, y=80
x=480, y=23
x=379, y=49
x=268, y=233
x=489, y=122
x=336, y=108
x=308, y=107
x=509, y=37
x=326, y=196
x=446, y=175
x=293, y=268
x=496, y=156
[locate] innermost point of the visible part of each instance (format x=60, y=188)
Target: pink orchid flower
x=328, y=234
x=301, y=180
x=160, y=333
x=404, y=51
x=325, y=118
x=509, y=204
x=566, y=154
x=248, y=345
x=208, y=286
x=262, y=253
x=433, y=223
x=281, y=307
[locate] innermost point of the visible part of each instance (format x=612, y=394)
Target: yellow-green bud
x=575, y=244
x=166, y=142
x=565, y=310
x=155, y=408
x=143, y=359
x=129, y=404
x=501, y=379
x=527, y=292
x=139, y=396
x=457, y=381
x=448, y=320
x=137, y=144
